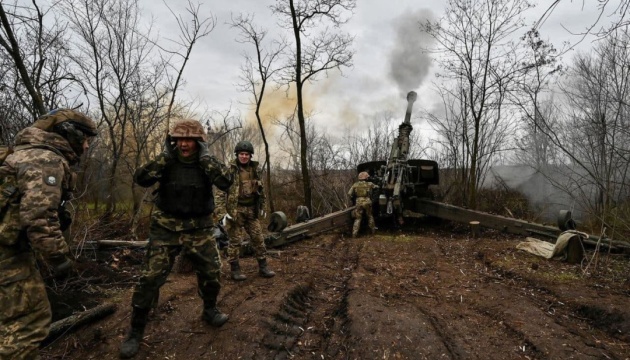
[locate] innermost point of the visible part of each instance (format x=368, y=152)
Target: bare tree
x=10, y=44
x=598, y=146
x=224, y=132
x=374, y=143
x=589, y=130
x=190, y=33
x=617, y=12
x=477, y=51
x=327, y=160
x=34, y=58
x=314, y=52
x=533, y=98
x=112, y=57
x=256, y=73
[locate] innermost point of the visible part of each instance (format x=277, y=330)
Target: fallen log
x=75, y=321
x=121, y=243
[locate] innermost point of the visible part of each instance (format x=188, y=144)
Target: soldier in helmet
x=35, y=181
x=362, y=192
x=244, y=206
x=182, y=222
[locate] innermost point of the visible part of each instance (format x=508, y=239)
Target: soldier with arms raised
x=182, y=222
x=35, y=181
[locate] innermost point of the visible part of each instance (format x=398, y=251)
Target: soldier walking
x=182, y=221
x=361, y=191
x=245, y=204
x=35, y=182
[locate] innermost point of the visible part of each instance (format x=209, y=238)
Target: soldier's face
x=85, y=145
x=244, y=157
x=187, y=146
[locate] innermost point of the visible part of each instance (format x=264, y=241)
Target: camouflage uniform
x=362, y=190
x=39, y=172
x=243, y=203
x=182, y=222
x=170, y=234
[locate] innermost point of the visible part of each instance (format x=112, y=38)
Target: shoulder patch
x=50, y=180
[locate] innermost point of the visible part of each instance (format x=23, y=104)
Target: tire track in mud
x=287, y=324
x=564, y=316
x=457, y=307
x=521, y=307
x=311, y=319
x=459, y=254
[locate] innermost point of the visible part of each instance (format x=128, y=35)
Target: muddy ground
x=427, y=293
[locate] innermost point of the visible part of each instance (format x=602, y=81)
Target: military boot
x=262, y=269
x=213, y=316
x=236, y=271
x=131, y=345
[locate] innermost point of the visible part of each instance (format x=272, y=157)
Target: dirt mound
x=423, y=294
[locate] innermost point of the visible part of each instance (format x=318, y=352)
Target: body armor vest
x=363, y=189
x=185, y=191
x=248, y=186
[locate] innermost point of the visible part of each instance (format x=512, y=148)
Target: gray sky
x=375, y=83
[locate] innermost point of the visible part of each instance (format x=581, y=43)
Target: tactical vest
x=363, y=189
x=248, y=186
x=185, y=191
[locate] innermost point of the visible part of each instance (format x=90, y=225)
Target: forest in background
x=508, y=96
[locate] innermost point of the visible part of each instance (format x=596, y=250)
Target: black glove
x=204, y=154
x=169, y=150
x=62, y=265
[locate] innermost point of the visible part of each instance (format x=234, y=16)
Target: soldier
x=182, y=222
x=35, y=181
x=244, y=205
x=362, y=191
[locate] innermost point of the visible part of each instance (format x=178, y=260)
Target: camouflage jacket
x=36, y=179
x=362, y=190
x=151, y=173
x=228, y=202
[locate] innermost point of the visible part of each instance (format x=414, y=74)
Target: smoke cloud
x=409, y=59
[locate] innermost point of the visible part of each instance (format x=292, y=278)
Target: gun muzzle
x=412, y=96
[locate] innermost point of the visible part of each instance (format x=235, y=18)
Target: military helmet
x=188, y=129
x=363, y=175
x=244, y=146
x=48, y=121
x=72, y=125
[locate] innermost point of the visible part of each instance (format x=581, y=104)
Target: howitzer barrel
x=412, y=96
x=404, y=130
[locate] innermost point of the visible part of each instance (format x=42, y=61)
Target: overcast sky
x=380, y=27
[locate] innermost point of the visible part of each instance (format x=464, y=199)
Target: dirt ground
x=425, y=293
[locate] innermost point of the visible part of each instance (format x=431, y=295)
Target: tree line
x=507, y=96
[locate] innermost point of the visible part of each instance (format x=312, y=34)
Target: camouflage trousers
x=245, y=223
x=363, y=207
x=198, y=245
x=25, y=313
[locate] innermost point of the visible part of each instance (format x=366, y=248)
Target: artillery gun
x=402, y=182
x=404, y=193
